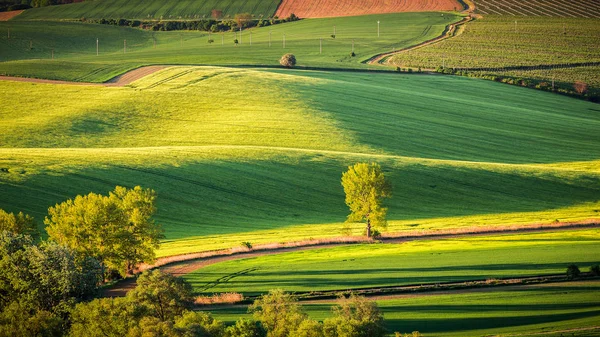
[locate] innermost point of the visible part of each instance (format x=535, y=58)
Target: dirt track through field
x=118, y=81
x=5, y=16
x=183, y=267
x=336, y=8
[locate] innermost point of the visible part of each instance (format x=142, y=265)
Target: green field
x=263, y=165
x=493, y=42
x=411, y=263
x=151, y=10
x=74, y=45
x=526, y=311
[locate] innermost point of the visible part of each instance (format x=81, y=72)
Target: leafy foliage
x=40, y=284
x=365, y=187
x=573, y=272
x=19, y=223
x=279, y=312
x=246, y=328
x=117, y=229
x=163, y=296
x=355, y=317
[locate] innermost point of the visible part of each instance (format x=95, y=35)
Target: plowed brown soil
x=5, y=16
x=332, y=8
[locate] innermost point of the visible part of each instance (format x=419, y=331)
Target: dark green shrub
x=595, y=270
x=573, y=272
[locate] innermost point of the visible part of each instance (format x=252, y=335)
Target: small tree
x=365, y=187
x=288, y=60
x=117, y=229
x=18, y=224
x=246, y=328
x=279, y=312
x=580, y=87
x=573, y=272
x=216, y=14
x=163, y=295
x=355, y=317
x=243, y=19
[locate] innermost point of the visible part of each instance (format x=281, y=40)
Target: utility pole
x=154, y=42
x=240, y=35
x=269, y=38
x=180, y=41
x=353, y=46
x=320, y=45
x=97, y=41
x=124, y=46
x=250, y=38
x=222, y=39
x=334, y=34
x=284, y=40
x=9, y=33
x=377, y=28
x=515, y=26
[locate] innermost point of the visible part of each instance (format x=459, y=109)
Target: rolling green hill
x=257, y=155
x=152, y=10
x=74, y=45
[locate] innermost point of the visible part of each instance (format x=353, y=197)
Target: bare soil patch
x=333, y=8
x=5, y=16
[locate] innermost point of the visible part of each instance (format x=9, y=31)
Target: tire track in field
x=185, y=264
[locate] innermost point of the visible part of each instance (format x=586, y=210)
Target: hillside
x=336, y=8
x=555, y=8
x=152, y=10
x=268, y=166
x=73, y=45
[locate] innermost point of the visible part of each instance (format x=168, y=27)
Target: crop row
x=554, y=8
x=563, y=48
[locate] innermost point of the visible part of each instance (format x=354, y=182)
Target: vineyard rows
x=565, y=48
x=553, y=8
x=332, y=8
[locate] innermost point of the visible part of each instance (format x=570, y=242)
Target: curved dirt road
x=183, y=267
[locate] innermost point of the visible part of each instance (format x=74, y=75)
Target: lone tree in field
x=365, y=187
x=117, y=229
x=288, y=60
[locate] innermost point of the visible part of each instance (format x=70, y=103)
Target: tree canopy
x=117, y=229
x=18, y=223
x=365, y=187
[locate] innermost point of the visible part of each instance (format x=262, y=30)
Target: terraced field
x=266, y=168
x=152, y=10
x=73, y=45
x=411, y=263
x=543, y=49
x=545, y=8
x=331, y=8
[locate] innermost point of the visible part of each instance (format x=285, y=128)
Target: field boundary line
x=186, y=263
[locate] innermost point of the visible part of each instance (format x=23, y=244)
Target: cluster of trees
x=160, y=305
x=244, y=20
x=13, y=5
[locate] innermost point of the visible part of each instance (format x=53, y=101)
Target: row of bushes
x=208, y=25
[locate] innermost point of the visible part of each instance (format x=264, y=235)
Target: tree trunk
x=368, y=228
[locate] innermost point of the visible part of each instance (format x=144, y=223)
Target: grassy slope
x=492, y=42
x=526, y=311
x=151, y=10
x=263, y=167
x=419, y=262
x=74, y=45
